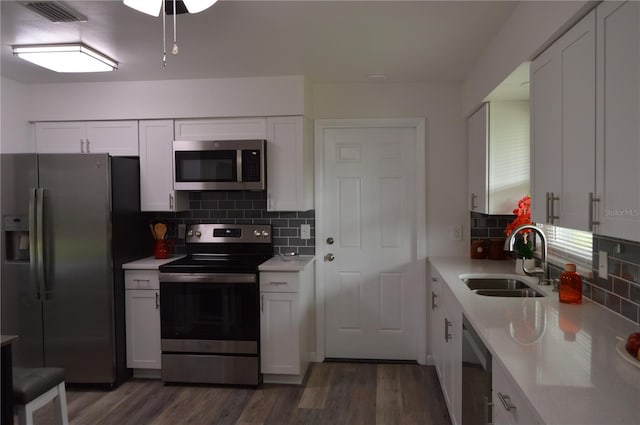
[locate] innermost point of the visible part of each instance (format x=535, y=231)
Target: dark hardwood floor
x=333, y=393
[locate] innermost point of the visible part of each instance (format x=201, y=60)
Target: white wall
x=15, y=132
x=224, y=97
x=446, y=143
x=532, y=26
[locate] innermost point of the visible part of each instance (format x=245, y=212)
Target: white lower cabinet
x=286, y=325
x=510, y=406
x=446, y=344
x=142, y=306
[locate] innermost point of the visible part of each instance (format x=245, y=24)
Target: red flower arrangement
x=523, y=247
x=523, y=215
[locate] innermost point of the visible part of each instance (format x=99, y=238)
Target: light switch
x=603, y=269
x=305, y=231
x=456, y=232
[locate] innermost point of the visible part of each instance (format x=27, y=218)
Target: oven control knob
x=265, y=234
x=198, y=233
x=256, y=233
x=190, y=232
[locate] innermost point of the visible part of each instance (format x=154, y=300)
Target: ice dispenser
x=16, y=234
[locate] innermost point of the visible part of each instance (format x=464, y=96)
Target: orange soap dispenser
x=570, y=285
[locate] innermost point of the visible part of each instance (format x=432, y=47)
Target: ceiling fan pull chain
x=174, y=50
x=164, y=34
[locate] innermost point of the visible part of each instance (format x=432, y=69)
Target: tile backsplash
x=619, y=292
x=242, y=207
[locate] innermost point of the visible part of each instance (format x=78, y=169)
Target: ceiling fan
x=153, y=7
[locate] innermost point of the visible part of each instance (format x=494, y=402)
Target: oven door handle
x=208, y=278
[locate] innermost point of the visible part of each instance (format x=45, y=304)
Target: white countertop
x=149, y=263
x=295, y=264
x=584, y=381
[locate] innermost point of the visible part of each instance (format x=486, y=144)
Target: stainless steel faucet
x=540, y=271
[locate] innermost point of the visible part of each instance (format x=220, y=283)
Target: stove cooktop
x=216, y=263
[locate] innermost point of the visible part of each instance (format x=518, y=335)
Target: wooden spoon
x=161, y=230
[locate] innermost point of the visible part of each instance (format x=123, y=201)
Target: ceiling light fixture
x=152, y=7
x=68, y=57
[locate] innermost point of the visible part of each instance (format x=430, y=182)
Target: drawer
x=279, y=281
x=510, y=406
x=141, y=279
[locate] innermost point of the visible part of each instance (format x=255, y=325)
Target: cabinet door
x=618, y=140
x=117, y=138
x=221, y=129
x=279, y=344
x=156, y=168
x=143, y=328
x=452, y=368
x=60, y=137
x=290, y=159
x=477, y=143
x=563, y=129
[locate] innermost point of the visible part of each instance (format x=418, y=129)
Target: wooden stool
x=35, y=387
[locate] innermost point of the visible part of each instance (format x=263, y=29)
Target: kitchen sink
x=494, y=285
x=512, y=293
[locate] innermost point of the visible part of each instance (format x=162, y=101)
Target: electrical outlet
x=456, y=232
x=305, y=231
x=603, y=269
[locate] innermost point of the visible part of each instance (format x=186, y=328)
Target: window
x=569, y=245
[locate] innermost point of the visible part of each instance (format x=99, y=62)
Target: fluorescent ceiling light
x=73, y=57
x=152, y=7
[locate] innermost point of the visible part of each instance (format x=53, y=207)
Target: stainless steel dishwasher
x=476, y=378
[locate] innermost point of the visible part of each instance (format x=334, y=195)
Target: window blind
x=569, y=245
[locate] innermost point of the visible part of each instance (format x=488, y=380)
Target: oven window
x=206, y=166
x=209, y=311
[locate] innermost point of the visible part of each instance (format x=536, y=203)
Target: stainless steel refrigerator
x=69, y=222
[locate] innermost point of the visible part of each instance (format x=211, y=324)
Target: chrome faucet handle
x=547, y=282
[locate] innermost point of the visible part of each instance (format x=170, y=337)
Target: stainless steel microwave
x=219, y=165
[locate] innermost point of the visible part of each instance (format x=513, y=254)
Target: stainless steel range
x=209, y=305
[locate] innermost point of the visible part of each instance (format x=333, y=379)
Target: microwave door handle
x=239, y=165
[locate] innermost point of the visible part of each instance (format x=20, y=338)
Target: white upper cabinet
x=222, y=129
x=498, y=156
x=618, y=119
x=563, y=128
x=289, y=164
x=117, y=138
x=156, y=168
x=477, y=147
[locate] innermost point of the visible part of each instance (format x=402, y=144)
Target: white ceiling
x=328, y=41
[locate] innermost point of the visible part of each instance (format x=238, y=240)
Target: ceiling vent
x=55, y=11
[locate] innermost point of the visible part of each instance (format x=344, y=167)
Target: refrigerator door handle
x=40, y=241
x=33, y=243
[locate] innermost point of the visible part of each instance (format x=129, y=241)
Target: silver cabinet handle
x=329, y=257
x=447, y=334
x=592, y=200
x=88, y=150
x=506, y=402
x=157, y=301
x=434, y=305
x=171, y=201
x=552, y=209
x=277, y=283
x=546, y=214
x=81, y=146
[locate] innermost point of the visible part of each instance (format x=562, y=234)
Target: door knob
x=329, y=257
x=330, y=240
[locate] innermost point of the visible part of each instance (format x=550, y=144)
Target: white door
x=368, y=207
